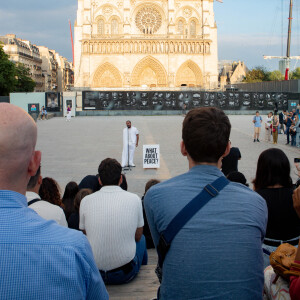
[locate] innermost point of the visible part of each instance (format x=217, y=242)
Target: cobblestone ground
x=71, y=150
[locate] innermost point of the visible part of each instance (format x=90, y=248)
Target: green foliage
x=24, y=82
x=257, y=74
x=7, y=74
x=13, y=78
x=295, y=74
x=276, y=76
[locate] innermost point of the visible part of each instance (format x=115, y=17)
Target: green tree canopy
x=295, y=74
x=13, y=78
x=276, y=75
x=257, y=74
x=7, y=74
x=24, y=82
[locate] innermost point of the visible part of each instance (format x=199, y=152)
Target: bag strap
x=166, y=237
x=33, y=201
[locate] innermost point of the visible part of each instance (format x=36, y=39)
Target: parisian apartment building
x=49, y=70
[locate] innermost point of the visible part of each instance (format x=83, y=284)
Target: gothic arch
x=114, y=11
x=190, y=74
x=107, y=75
x=148, y=64
x=187, y=11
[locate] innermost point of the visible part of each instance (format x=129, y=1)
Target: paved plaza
x=72, y=150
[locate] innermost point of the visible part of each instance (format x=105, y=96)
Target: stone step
x=143, y=287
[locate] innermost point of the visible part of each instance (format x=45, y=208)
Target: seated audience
x=113, y=221
x=147, y=233
x=73, y=221
x=90, y=182
x=124, y=184
x=49, y=191
x=207, y=256
x=237, y=177
x=68, y=198
x=274, y=184
x=295, y=280
x=280, y=288
x=44, y=208
x=39, y=259
x=297, y=184
x=230, y=162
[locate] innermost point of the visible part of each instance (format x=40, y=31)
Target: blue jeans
x=119, y=277
x=293, y=143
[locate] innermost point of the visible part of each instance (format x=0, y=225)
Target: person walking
x=68, y=113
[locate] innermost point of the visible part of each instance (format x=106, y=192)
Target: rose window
x=148, y=20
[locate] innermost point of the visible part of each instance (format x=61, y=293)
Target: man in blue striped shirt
x=39, y=259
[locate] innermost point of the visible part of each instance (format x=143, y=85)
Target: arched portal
x=189, y=74
x=149, y=71
x=107, y=75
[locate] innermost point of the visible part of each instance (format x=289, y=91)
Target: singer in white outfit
x=130, y=142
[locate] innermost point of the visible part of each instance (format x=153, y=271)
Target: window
x=100, y=27
x=114, y=27
x=193, y=28
x=180, y=27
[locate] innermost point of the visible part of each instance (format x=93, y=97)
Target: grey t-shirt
x=218, y=253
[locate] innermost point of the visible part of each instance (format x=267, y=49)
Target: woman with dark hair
x=73, y=220
x=68, y=198
x=49, y=191
x=274, y=184
x=146, y=231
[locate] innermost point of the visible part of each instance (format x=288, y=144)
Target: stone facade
x=140, y=43
x=22, y=51
x=49, y=70
x=65, y=73
x=49, y=67
x=231, y=72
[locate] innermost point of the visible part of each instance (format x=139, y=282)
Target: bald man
x=39, y=259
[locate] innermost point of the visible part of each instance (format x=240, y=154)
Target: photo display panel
x=52, y=101
x=184, y=100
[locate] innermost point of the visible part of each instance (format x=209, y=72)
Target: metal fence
x=289, y=86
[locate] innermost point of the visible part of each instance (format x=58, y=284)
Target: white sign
x=151, y=158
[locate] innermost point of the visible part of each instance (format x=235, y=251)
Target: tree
x=8, y=80
x=276, y=75
x=13, y=78
x=295, y=74
x=257, y=74
x=24, y=82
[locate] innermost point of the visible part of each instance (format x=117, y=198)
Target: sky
x=247, y=29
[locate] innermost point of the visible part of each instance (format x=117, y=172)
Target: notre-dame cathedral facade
x=140, y=43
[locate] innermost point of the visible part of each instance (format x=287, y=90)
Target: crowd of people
x=213, y=234
x=287, y=123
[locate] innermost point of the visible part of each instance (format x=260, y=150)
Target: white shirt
x=47, y=210
x=268, y=122
x=129, y=134
x=110, y=218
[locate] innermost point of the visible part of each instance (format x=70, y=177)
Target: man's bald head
x=18, y=135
